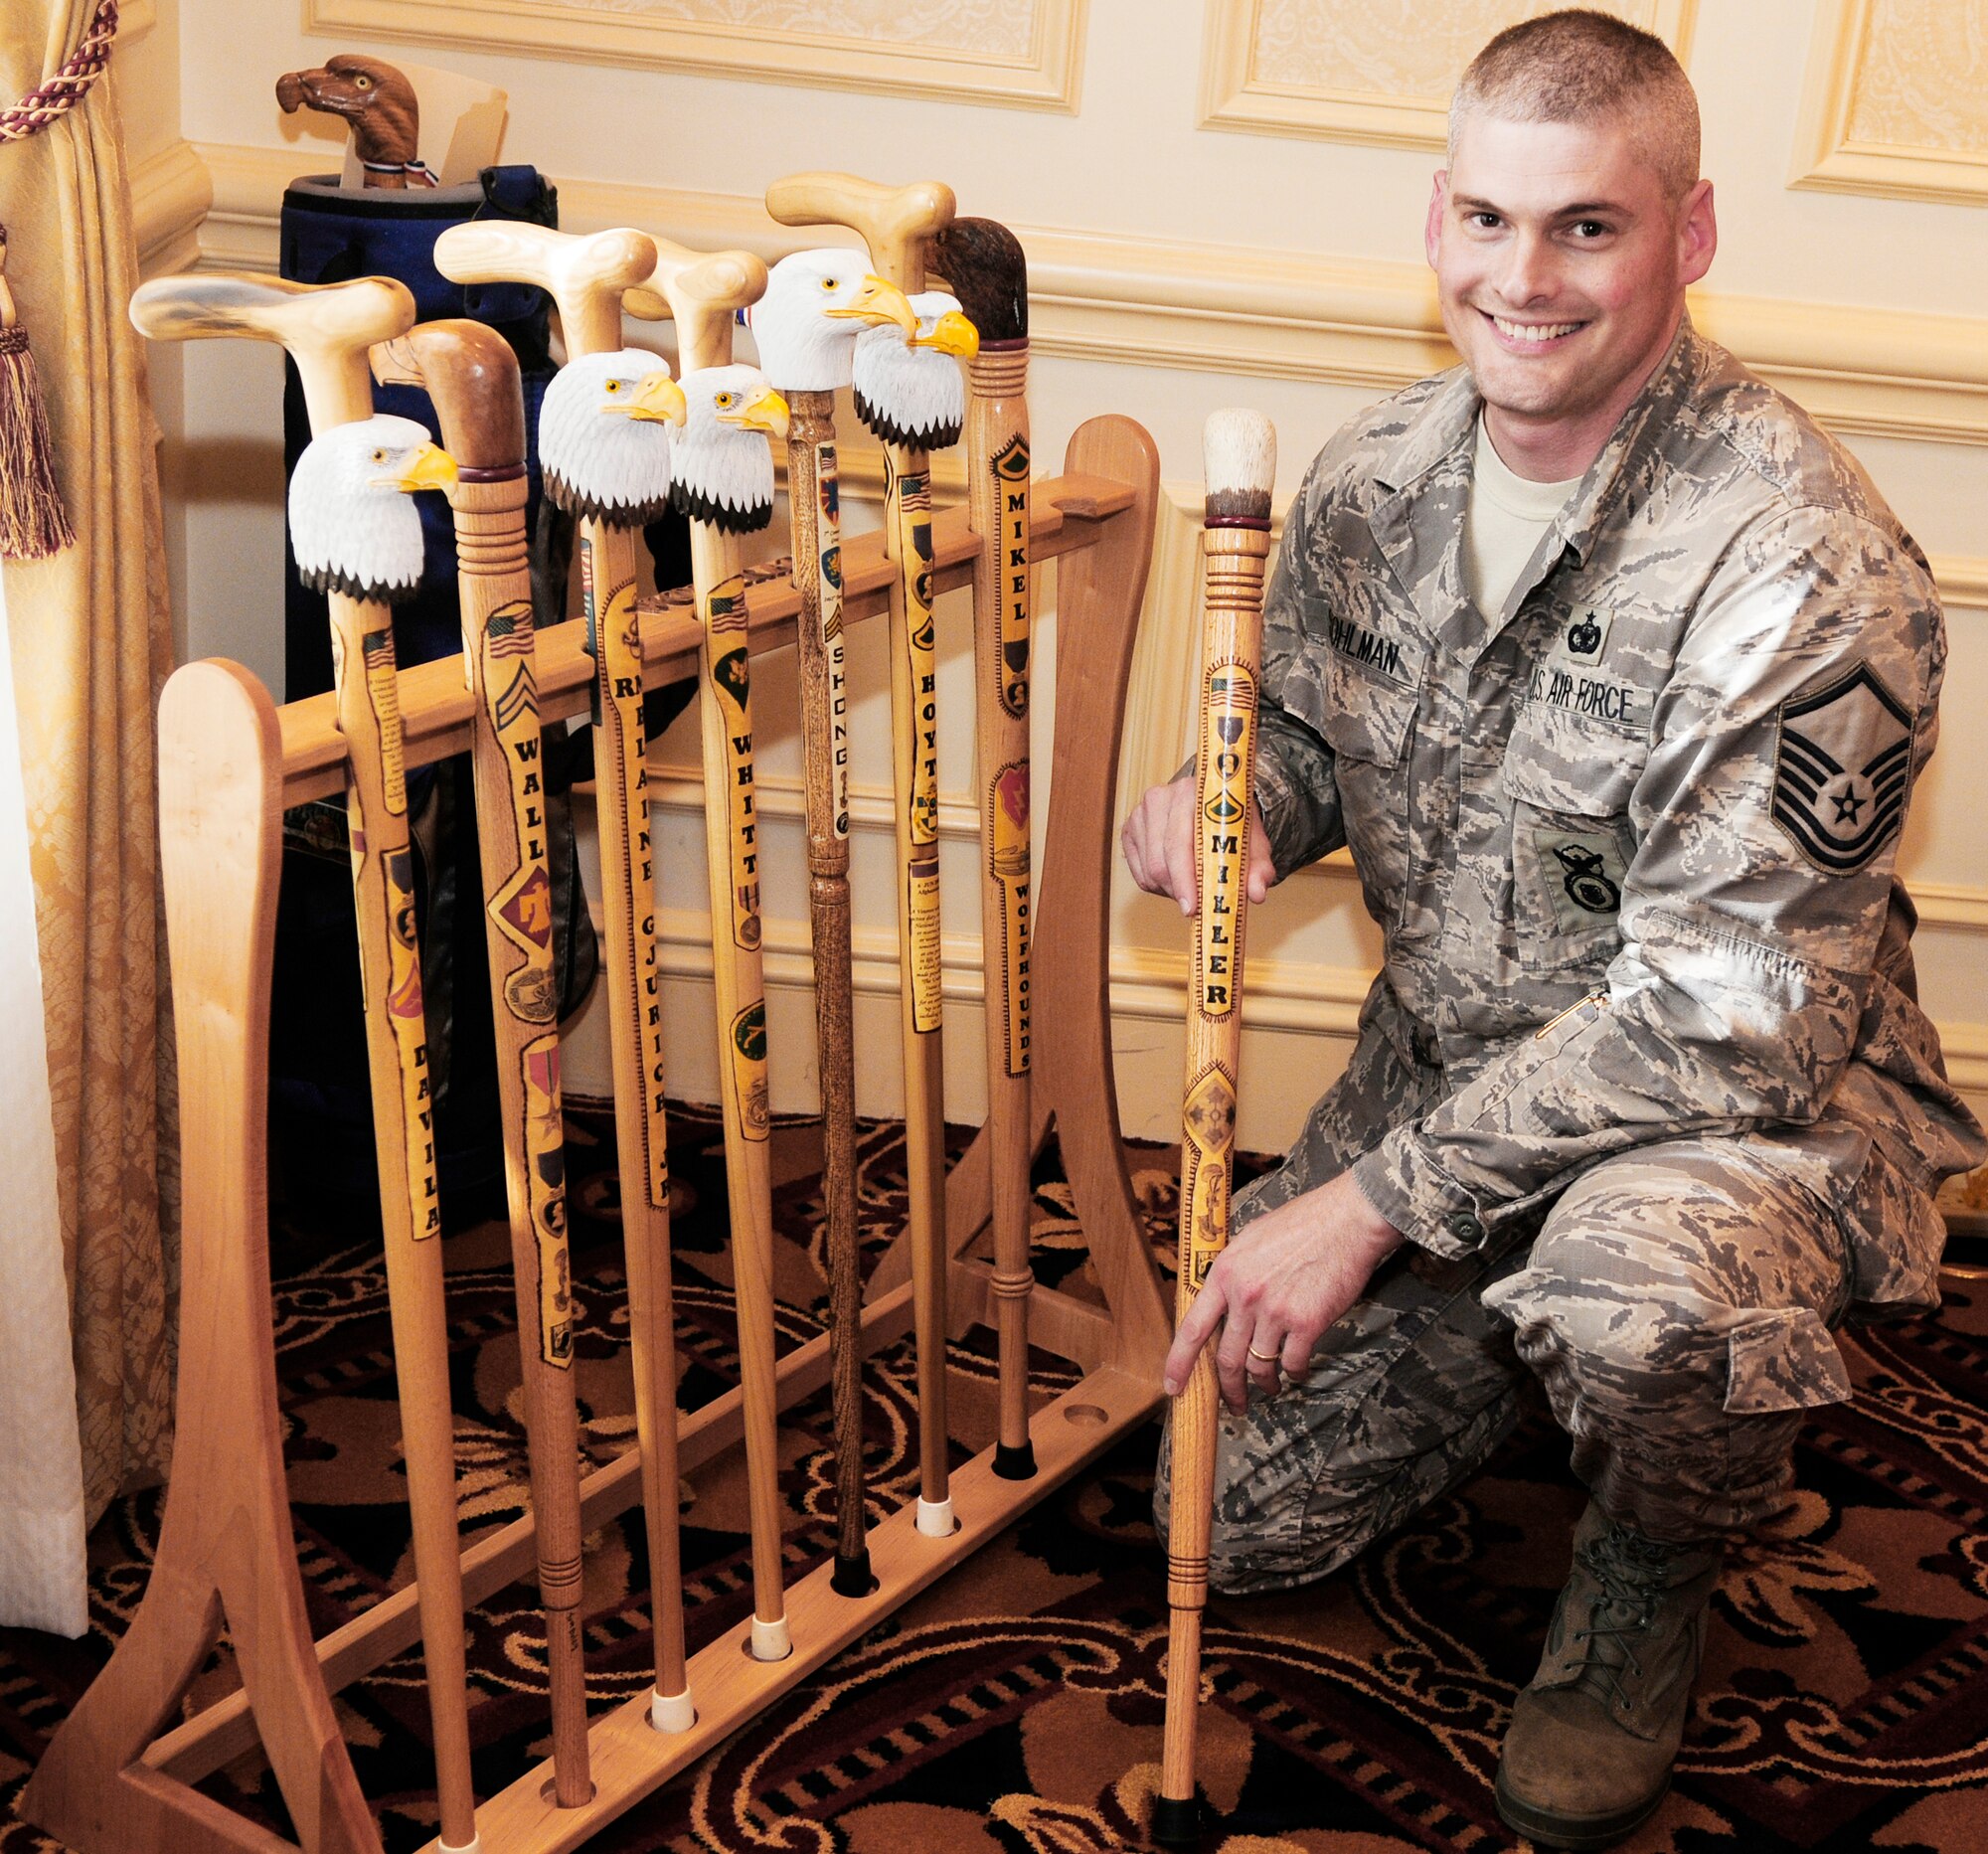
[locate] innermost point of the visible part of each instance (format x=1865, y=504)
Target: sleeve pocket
x=1785, y=1360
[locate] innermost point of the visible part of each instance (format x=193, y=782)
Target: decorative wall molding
x=171, y=192
x=1270, y=314
x=1243, y=88
x=1830, y=153
x=1042, y=74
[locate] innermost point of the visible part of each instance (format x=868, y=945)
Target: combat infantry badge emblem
x=1841, y=768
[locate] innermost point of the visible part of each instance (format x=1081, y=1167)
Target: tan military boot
x=1588, y=1755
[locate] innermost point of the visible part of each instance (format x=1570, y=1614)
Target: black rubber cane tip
x=1017, y=1464
x=850, y=1575
x=1177, y=1821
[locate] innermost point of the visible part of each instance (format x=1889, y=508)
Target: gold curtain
x=90, y=642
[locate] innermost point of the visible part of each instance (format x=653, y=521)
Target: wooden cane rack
x=118, y=1778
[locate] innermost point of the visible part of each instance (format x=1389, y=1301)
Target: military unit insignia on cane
x=1842, y=768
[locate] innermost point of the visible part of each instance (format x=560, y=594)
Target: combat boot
x=1588, y=1755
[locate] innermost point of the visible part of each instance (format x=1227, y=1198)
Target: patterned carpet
x=1015, y=1705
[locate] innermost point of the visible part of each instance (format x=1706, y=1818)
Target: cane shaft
x=731, y=831
x=1225, y=768
x=915, y=727
x=411, y=1212
x=494, y=585
x=997, y=442
x=636, y=1036
x=817, y=572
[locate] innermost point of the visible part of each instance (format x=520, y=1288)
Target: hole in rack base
x=1086, y=1415
x=549, y=1792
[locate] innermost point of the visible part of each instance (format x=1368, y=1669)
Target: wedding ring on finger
x=1276, y=1361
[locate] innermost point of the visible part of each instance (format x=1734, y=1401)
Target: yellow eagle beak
x=878, y=302
x=951, y=334
x=658, y=400
x=431, y=467
x=764, y=411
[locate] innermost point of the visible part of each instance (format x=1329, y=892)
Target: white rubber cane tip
x=935, y=1517
x=474, y=1845
x=771, y=1640
x=672, y=1712
x=1238, y=453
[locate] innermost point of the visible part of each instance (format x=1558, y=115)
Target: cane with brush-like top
x=982, y=261
x=1240, y=452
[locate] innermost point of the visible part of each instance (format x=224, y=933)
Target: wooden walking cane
x=471, y=375
x=983, y=262
x=721, y=477
x=806, y=328
x=1240, y=454
x=895, y=224
x=327, y=331
x=614, y=475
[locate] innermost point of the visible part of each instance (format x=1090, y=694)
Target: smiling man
x=1614, y=673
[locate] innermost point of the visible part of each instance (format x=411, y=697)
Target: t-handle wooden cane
x=327, y=331
x=896, y=223
x=1239, y=454
x=983, y=263
x=702, y=295
x=471, y=375
x=585, y=278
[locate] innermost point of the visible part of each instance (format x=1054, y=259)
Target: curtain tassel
x=32, y=524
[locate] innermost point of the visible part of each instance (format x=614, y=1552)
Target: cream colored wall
x=1204, y=228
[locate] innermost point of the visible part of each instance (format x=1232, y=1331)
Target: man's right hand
x=1159, y=844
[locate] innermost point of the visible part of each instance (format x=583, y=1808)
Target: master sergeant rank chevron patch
x=1842, y=765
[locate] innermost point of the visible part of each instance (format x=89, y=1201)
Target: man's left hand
x=1274, y=1291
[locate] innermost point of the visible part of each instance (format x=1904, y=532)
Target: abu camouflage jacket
x=1630, y=839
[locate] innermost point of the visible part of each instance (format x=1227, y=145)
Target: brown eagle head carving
x=376, y=100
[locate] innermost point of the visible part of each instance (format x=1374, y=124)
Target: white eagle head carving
x=816, y=304
x=353, y=524
x=915, y=394
x=603, y=437
x=721, y=463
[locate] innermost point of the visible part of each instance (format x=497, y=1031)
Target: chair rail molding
x=1042, y=70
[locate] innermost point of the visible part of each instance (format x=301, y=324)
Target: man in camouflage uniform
x=1643, y=1081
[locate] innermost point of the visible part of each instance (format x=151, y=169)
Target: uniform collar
x=1419, y=523
x=1626, y=456
x=1447, y=424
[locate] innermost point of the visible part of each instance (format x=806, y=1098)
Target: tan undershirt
x=1501, y=525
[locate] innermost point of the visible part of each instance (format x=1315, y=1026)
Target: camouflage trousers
x=1675, y=1303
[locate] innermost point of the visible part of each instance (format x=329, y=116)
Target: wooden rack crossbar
x=114, y=1783
x=437, y=710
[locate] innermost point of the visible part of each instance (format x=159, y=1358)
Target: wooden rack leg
x=225, y=1546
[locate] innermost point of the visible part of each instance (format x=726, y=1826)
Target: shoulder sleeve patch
x=1842, y=765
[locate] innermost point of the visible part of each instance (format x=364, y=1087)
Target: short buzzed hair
x=1582, y=65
